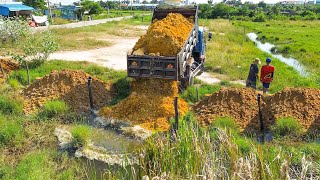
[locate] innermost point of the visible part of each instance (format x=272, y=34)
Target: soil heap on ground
x=150, y=104
x=239, y=104
x=8, y=65
x=69, y=86
x=164, y=37
x=302, y=104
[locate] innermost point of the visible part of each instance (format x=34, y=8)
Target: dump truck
x=182, y=67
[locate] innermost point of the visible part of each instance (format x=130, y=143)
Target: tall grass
x=194, y=153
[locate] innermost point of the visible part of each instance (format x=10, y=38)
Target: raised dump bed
x=178, y=67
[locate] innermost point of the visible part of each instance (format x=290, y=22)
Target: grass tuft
x=53, y=109
x=81, y=134
x=287, y=127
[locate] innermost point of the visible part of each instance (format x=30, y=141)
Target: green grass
x=226, y=123
x=11, y=130
x=287, y=127
x=46, y=164
x=190, y=94
x=231, y=54
x=195, y=151
x=10, y=106
x=59, y=21
x=102, y=73
x=292, y=38
x=53, y=109
x=81, y=135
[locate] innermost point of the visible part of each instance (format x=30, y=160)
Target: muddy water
x=266, y=47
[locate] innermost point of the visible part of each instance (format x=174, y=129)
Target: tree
x=37, y=4
x=91, y=6
x=205, y=11
x=221, y=10
x=262, y=4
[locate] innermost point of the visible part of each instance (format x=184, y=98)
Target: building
x=317, y=1
x=11, y=9
x=71, y=12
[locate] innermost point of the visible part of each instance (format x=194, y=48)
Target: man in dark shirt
x=253, y=74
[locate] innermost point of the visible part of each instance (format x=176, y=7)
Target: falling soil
x=302, y=104
x=69, y=86
x=8, y=65
x=149, y=105
x=164, y=37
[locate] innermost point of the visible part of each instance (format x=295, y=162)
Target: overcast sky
x=197, y=1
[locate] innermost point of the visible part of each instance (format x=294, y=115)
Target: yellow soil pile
x=239, y=104
x=299, y=103
x=164, y=37
x=302, y=104
x=69, y=86
x=8, y=65
x=150, y=104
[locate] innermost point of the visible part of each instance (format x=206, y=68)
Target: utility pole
x=49, y=10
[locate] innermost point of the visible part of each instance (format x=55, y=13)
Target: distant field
x=230, y=54
x=299, y=39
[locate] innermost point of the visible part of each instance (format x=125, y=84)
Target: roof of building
x=17, y=7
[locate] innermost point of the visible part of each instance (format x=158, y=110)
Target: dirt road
x=80, y=23
x=113, y=57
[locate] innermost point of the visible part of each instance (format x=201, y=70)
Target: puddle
x=266, y=47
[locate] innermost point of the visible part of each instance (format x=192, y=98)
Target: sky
x=197, y=1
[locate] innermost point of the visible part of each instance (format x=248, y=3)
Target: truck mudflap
x=152, y=67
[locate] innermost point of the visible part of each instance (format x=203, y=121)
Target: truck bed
x=146, y=66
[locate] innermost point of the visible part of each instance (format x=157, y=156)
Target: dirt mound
x=69, y=86
x=299, y=103
x=239, y=104
x=302, y=104
x=150, y=104
x=164, y=37
x=8, y=65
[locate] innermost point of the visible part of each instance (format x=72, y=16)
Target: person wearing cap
x=253, y=74
x=266, y=77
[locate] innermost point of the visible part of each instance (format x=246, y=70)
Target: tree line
x=260, y=12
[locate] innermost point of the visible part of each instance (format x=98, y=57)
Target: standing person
x=267, y=72
x=253, y=74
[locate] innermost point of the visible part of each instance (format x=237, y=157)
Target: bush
x=53, y=109
x=10, y=131
x=259, y=18
x=10, y=106
x=81, y=134
x=287, y=127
